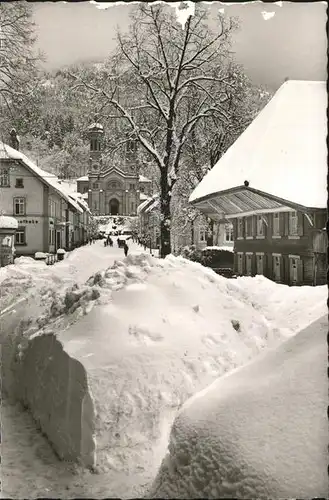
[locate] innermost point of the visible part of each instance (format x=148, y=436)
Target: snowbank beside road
x=150, y=333
x=261, y=431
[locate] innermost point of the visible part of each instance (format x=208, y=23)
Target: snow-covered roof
x=142, y=178
x=143, y=205
x=155, y=204
x=96, y=125
x=7, y=152
x=143, y=197
x=8, y=222
x=149, y=204
x=83, y=178
x=283, y=152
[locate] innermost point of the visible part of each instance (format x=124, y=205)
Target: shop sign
x=28, y=221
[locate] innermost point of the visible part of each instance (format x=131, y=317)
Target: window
x=249, y=227
x=249, y=264
x=260, y=226
x=85, y=190
x=19, y=206
x=4, y=177
x=240, y=228
x=276, y=224
x=293, y=271
x=202, y=235
x=95, y=185
x=293, y=223
x=19, y=183
x=240, y=263
x=277, y=267
x=260, y=264
x=131, y=146
x=142, y=189
x=229, y=232
x=52, y=208
x=20, y=238
x=51, y=236
x=131, y=187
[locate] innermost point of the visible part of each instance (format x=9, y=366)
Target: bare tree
x=163, y=84
x=18, y=62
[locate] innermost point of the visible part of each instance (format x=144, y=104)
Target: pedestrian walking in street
x=125, y=249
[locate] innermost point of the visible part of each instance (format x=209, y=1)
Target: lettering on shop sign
x=28, y=221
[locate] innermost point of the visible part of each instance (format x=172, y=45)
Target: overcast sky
x=291, y=43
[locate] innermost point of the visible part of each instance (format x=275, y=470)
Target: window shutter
x=285, y=223
x=300, y=270
x=300, y=224
x=254, y=226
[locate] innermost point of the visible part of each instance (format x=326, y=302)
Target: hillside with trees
x=176, y=93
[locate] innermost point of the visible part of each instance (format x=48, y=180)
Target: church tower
x=95, y=192
x=96, y=134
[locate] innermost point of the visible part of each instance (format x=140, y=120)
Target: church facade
x=113, y=190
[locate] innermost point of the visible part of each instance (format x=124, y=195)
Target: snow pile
x=289, y=308
x=261, y=431
x=156, y=332
x=8, y=222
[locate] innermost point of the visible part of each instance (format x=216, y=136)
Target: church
x=113, y=190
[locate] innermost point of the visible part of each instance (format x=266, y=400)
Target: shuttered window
x=240, y=228
x=249, y=226
x=260, y=226
x=276, y=224
x=293, y=224
x=240, y=263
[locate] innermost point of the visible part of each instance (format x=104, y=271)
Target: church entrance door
x=114, y=207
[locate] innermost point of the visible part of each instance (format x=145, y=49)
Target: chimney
x=14, y=139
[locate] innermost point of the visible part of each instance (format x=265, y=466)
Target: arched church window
x=131, y=146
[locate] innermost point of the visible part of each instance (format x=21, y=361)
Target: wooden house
x=271, y=184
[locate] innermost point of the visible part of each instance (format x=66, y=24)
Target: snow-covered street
x=159, y=332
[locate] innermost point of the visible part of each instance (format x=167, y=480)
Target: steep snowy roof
x=8, y=222
x=143, y=205
x=7, y=152
x=283, y=152
x=142, y=178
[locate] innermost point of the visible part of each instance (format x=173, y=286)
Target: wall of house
x=32, y=220
x=288, y=248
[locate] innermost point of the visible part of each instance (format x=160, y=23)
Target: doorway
x=114, y=207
